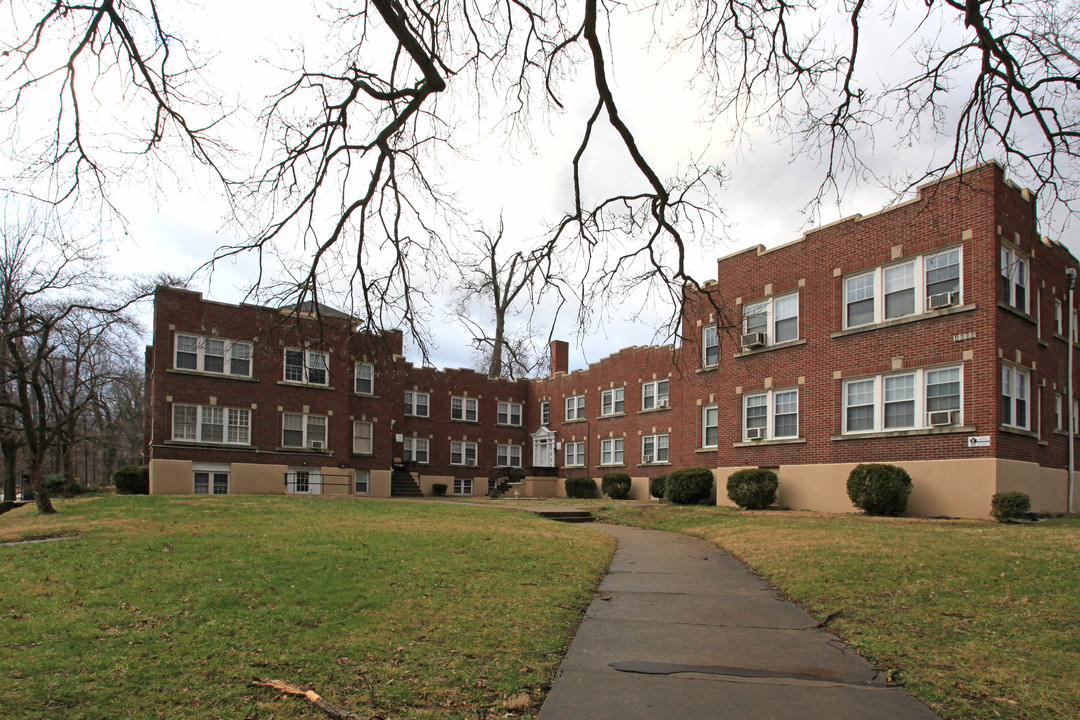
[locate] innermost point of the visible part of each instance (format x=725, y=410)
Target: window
x=777, y=319
x=307, y=366
x=899, y=290
x=575, y=453
x=654, y=395
x=654, y=449
x=710, y=426
x=363, y=437
x=943, y=272
x=770, y=415
x=914, y=286
x=361, y=482
x=859, y=299
x=213, y=355
x=212, y=424
x=1059, y=318
x=463, y=486
x=1059, y=412
x=710, y=346
x=910, y=400
x=1014, y=397
x=416, y=450
x=545, y=413
x=303, y=431
x=611, y=451
x=509, y=456
x=417, y=404
x=575, y=408
x=611, y=401
x=509, y=413
x=364, y=378
x=1014, y=281
x=207, y=482
x=463, y=453
x=463, y=408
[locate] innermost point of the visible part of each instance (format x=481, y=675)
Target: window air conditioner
x=940, y=418
x=316, y=444
x=661, y=403
x=755, y=433
x=942, y=300
x=753, y=340
x=647, y=459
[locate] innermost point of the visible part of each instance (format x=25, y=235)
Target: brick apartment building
x=931, y=334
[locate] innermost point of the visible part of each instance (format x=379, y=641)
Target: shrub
x=879, y=489
x=132, y=480
x=657, y=485
x=1010, y=505
x=616, y=485
x=753, y=489
x=580, y=487
x=689, y=486
x=438, y=488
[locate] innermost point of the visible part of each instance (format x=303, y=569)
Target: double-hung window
x=859, y=306
x=545, y=413
x=773, y=320
x=654, y=448
x=361, y=482
x=364, y=378
x=710, y=346
x=509, y=413
x=654, y=394
x=1015, y=385
x=307, y=366
x=1014, y=278
x=1059, y=318
x=463, y=408
x=508, y=456
x=575, y=453
x=611, y=451
x=911, y=400
x=769, y=415
x=611, y=401
x=416, y=450
x=212, y=424
x=463, y=486
x=710, y=426
x=363, y=439
x=417, y=404
x=303, y=431
x=213, y=355
x=911, y=287
x=575, y=408
x=463, y=453
x=899, y=290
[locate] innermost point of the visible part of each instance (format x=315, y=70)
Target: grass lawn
x=977, y=619
x=168, y=607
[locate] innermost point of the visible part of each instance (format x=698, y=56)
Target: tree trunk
x=10, y=488
x=495, y=369
x=37, y=483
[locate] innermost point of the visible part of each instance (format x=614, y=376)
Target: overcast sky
x=175, y=224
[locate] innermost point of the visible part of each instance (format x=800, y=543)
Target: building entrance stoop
x=402, y=483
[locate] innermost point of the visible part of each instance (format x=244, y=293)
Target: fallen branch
x=316, y=699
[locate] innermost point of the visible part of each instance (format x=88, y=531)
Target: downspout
x=1070, y=274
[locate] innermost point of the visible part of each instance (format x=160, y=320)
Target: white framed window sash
x=901, y=289
x=901, y=400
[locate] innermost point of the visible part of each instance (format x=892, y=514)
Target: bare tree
x=353, y=141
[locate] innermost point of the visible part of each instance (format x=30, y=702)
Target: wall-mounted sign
x=977, y=441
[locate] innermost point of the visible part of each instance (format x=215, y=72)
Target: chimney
x=560, y=357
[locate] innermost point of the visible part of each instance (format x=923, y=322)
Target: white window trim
x=411, y=404
x=577, y=411
x=770, y=317
x=878, y=273
x=655, y=438
x=659, y=400
x=358, y=376
x=510, y=410
x=200, y=411
x=506, y=452
x=357, y=482
x=545, y=413
x=463, y=486
x=1015, y=259
x=920, y=400
x=609, y=402
x=307, y=356
x=705, y=426
x=707, y=331
x=1013, y=371
x=306, y=430
x=412, y=450
x=358, y=437
x=211, y=470
x=612, y=451
x=579, y=446
x=468, y=405
x=200, y=355
x=464, y=446
x=770, y=415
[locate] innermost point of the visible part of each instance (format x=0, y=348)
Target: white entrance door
x=543, y=448
x=304, y=481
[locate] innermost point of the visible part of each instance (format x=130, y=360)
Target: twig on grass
x=316, y=699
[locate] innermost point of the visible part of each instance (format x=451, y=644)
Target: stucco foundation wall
x=539, y=487
x=378, y=484
x=247, y=478
x=479, y=484
x=1048, y=488
x=171, y=477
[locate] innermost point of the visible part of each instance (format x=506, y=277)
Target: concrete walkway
x=681, y=630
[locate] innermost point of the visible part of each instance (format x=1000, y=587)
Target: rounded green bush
x=879, y=489
x=615, y=485
x=132, y=480
x=657, y=486
x=753, y=488
x=689, y=486
x=1010, y=505
x=438, y=488
x=580, y=487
